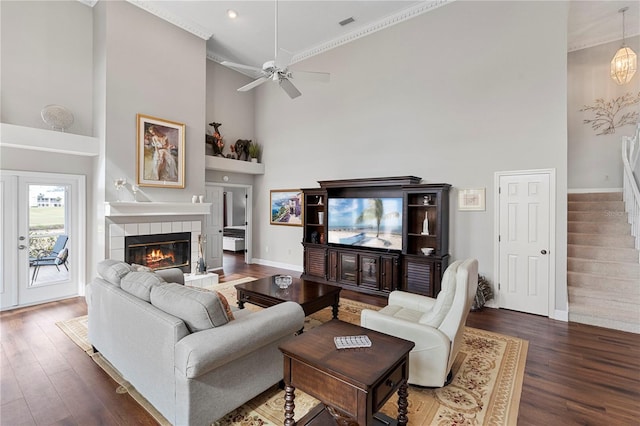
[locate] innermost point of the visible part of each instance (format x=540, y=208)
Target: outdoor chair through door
x=58, y=255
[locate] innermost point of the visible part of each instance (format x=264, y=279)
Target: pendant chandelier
x=625, y=62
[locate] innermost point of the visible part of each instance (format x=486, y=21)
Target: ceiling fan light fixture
x=232, y=14
x=625, y=62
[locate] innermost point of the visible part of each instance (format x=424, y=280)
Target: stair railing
x=630, y=192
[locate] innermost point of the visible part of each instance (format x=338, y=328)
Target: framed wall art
x=161, y=152
x=286, y=207
x=471, y=199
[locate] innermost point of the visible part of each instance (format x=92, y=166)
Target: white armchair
x=435, y=326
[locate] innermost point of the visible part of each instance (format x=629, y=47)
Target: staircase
x=603, y=269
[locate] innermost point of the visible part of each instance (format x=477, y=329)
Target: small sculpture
x=216, y=140
x=425, y=225
x=241, y=148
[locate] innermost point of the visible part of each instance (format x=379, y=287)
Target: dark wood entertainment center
x=378, y=270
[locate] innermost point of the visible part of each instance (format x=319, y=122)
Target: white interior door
x=213, y=226
x=524, y=242
x=37, y=210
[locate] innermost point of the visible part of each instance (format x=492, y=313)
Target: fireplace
x=159, y=251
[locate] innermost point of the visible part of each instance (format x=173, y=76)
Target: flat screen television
x=365, y=222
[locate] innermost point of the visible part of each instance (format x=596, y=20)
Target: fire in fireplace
x=160, y=251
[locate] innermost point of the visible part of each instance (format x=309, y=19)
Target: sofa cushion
x=140, y=284
x=200, y=310
x=112, y=271
x=140, y=268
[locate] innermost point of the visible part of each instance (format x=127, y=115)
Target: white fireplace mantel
x=123, y=208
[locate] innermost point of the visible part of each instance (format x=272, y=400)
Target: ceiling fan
x=277, y=70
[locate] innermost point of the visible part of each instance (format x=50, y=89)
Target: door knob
x=22, y=247
x=543, y=251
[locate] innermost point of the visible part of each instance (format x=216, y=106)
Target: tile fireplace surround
x=117, y=232
x=135, y=218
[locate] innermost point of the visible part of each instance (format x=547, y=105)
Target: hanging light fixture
x=625, y=62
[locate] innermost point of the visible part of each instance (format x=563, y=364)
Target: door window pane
x=48, y=233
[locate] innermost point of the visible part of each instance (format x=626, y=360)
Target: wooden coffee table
x=352, y=384
x=310, y=295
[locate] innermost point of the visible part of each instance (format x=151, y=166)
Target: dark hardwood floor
x=575, y=374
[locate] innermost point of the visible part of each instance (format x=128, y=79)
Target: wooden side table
x=352, y=384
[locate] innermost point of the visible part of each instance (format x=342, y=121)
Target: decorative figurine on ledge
x=241, y=149
x=216, y=140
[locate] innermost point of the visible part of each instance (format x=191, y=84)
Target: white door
x=213, y=226
x=40, y=212
x=524, y=242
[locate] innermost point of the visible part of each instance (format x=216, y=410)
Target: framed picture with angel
x=160, y=154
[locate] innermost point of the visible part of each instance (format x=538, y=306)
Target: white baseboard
x=296, y=268
x=560, y=315
x=590, y=190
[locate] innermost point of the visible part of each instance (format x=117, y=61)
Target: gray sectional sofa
x=191, y=363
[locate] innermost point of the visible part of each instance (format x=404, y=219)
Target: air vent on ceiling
x=347, y=21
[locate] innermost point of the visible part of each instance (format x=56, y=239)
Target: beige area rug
x=486, y=388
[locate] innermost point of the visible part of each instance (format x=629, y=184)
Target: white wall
x=451, y=96
x=157, y=69
x=235, y=110
x=46, y=59
x=106, y=64
x=595, y=160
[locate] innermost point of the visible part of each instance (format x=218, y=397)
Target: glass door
x=43, y=235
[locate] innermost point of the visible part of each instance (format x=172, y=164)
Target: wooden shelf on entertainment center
x=371, y=270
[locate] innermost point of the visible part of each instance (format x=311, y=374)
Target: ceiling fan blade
x=253, y=84
x=240, y=66
x=288, y=87
x=283, y=58
x=322, y=77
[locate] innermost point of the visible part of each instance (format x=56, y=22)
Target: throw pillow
x=200, y=310
x=227, y=308
x=113, y=270
x=223, y=300
x=140, y=284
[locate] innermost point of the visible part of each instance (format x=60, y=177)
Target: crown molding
x=597, y=42
x=187, y=25
x=89, y=3
x=396, y=18
x=212, y=56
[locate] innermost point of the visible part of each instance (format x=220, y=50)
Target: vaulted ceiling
x=309, y=27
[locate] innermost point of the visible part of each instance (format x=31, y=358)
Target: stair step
x=596, y=196
x=603, y=272
x=607, y=206
x=605, y=295
x=590, y=281
x=585, y=318
x=620, y=311
x=597, y=216
x=599, y=228
x=618, y=241
x=604, y=268
x=604, y=253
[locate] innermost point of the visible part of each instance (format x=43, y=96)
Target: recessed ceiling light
x=232, y=14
